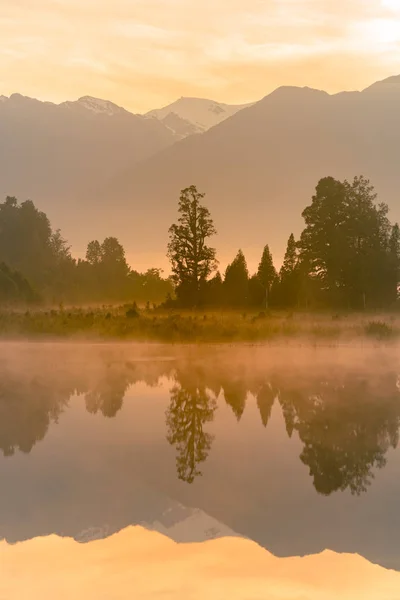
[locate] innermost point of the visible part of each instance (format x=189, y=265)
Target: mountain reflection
x=346, y=419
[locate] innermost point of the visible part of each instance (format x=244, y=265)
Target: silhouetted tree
x=394, y=264
x=346, y=243
x=289, y=275
x=214, y=291
x=236, y=282
x=28, y=245
x=266, y=274
x=191, y=259
x=94, y=253
x=256, y=295
x=14, y=288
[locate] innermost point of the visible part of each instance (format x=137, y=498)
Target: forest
x=347, y=257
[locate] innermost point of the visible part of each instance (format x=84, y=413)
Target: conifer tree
x=266, y=274
x=289, y=275
x=236, y=283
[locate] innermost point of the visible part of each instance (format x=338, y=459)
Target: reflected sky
x=296, y=450
x=146, y=565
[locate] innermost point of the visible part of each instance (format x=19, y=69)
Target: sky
x=144, y=54
x=155, y=567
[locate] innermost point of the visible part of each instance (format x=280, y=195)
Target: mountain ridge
x=259, y=166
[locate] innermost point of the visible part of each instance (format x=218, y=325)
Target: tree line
x=348, y=256
x=36, y=264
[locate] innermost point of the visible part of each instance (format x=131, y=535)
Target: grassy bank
x=126, y=323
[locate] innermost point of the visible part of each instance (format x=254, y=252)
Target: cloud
x=142, y=53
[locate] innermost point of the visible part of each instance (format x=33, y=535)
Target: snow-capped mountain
x=194, y=115
x=96, y=105
x=263, y=163
x=188, y=525
x=53, y=153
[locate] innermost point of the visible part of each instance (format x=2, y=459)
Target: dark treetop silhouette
x=348, y=256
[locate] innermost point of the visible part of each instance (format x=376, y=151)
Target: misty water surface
x=295, y=448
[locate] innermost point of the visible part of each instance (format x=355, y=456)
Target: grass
x=380, y=330
x=128, y=323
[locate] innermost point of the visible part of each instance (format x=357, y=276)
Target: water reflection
x=347, y=417
x=191, y=407
x=97, y=438
x=347, y=425
x=144, y=565
x=27, y=407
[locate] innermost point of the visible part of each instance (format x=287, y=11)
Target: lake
x=295, y=448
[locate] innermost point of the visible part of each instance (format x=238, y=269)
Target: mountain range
x=98, y=170
x=194, y=115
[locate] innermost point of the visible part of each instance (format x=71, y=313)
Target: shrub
x=132, y=313
x=379, y=330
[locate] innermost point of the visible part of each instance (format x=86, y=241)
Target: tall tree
x=289, y=275
x=322, y=241
x=30, y=246
x=113, y=259
x=94, y=253
x=290, y=260
x=394, y=263
x=108, y=274
x=191, y=259
x=25, y=240
x=345, y=242
x=236, y=283
x=266, y=274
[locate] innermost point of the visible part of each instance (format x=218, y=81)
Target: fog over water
x=294, y=448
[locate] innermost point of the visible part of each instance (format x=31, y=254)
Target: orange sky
x=143, y=54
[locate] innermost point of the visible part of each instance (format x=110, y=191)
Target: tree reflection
x=191, y=407
x=346, y=419
x=235, y=392
x=265, y=400
x=108, y=394
x=27, y=407
x=347, y=425
x=31, y=398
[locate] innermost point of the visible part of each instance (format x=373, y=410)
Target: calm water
x=294, y=448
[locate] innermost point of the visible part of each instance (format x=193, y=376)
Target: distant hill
x=259, y=167
x=99, y=170
x=53, y=154
x=194, y=115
